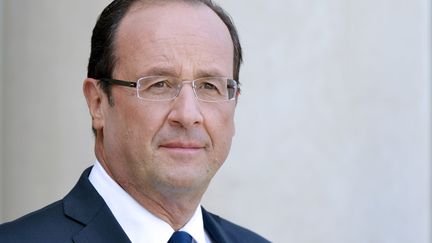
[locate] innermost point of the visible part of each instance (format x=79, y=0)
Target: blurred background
x=333, y=140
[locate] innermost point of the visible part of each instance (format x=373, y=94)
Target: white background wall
x=333, y=139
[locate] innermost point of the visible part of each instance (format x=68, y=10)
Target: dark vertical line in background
x=2, y=99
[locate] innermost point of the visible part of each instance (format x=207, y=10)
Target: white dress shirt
x=139, y=224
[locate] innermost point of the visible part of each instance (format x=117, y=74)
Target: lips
x=182, y=145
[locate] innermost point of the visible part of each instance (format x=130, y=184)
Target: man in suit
x=162, y=89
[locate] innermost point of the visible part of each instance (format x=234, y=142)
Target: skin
x=164, y=154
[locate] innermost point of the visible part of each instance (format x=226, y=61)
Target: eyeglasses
x=161, y=88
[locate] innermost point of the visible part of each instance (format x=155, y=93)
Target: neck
x=174, y=206
x=174, y=209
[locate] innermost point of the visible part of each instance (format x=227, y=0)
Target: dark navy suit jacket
x=83, y=216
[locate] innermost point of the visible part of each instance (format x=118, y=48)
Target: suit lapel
x=104, y=228
x=213, y=228
x=86, y=206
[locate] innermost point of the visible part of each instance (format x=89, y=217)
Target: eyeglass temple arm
x=119, y=82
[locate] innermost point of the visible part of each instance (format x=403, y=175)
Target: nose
x=185, y=111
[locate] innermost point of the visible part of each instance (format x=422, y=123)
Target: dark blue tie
x=180, y=237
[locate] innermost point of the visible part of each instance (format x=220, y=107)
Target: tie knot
x=180, y=237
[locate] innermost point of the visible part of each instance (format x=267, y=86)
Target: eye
x=208, y=86
x=159, y=84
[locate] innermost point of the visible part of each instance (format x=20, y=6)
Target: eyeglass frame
x=132, y=84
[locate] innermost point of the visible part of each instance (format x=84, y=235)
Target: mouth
x=182, y=147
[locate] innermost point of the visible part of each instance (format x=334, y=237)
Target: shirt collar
x=138, y=223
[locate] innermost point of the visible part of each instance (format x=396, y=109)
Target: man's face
x=171, y=145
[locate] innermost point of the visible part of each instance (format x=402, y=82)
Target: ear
x=94, y=97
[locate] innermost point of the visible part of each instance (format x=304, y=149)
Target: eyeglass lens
x=206, y=89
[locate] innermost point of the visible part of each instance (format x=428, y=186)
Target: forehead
x=168, y=31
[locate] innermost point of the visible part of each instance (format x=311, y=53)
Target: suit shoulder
x=44, y=225
x=234, y=232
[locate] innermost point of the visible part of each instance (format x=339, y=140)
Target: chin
x=186, y=181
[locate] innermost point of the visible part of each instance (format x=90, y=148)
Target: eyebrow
x=208, y=73
x=166, y=70
x=161, y=71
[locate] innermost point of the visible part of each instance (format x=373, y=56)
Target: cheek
x=220, y=126
x=136, y=123
x=228, y=126
x=144, y=122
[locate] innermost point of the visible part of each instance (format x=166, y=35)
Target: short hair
x=102, y=55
